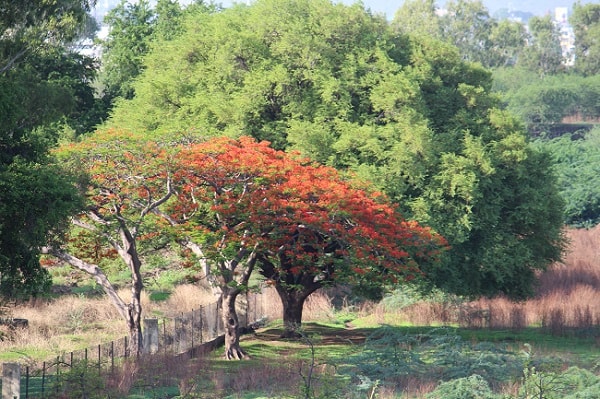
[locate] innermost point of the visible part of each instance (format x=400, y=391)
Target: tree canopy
x=42, y=85
x=586, y=24
x=247, y=205
x=578, y=168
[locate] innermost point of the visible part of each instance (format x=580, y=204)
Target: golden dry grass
x=568, y=295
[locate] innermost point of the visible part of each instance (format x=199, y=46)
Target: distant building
x=567, y=35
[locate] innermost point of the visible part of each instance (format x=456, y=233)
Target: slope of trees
x=407, y=113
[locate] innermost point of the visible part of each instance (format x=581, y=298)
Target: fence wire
x=176, y=335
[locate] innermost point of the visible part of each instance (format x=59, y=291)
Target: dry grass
x=568, y=296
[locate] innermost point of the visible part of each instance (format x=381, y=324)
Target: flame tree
x=247, y=205
x=125, y=179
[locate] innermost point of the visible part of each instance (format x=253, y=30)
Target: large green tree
x=407, y=113
x=418, y=17
x=41, y=85
x=131, y=28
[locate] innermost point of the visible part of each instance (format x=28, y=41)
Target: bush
x=388, y=354
x=472, y=387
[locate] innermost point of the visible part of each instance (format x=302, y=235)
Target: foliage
x=585, y=20
x=35, y=202
x=544, y=103
x=41, y=85
x=545, y=378
x=134, y=29
x=544, y=54
x=389, y=353
x=472, y=387
x=467, y=25
x=31, y=27
x=577, y=168
x=82, y=379
x=131, y=26
x=417, y=17
x=406, y=113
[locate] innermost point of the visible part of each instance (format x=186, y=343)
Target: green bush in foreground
x=473, y=387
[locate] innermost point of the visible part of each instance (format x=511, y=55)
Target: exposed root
x=236, y=354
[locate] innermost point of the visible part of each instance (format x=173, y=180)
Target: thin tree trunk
x=131, y=313
x=131, y=257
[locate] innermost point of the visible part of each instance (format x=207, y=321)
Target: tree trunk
x=233, y=351
x=130, y=256
x=293, y=305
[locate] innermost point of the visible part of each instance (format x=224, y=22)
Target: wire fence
x=175, y=335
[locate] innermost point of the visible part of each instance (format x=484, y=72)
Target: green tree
x=407, y=113
x=507, y=39
x=41, y=84
x=30, y=26
x=585, y=20
x=468, y=25
x=131, y=27
x=577, y=167
x=543, y=54
x=417, y=17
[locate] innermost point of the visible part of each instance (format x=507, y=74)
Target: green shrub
x=472, y=387
x=389, y=353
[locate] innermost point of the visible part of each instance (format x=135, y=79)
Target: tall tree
x=131, y=28
x=28, y=27
x=585, y=20
x=125, y=180
x=507, y=39
x=468, y=25
x=40, y=84
x=543, y=54
x=418, y=17
x=306, y=227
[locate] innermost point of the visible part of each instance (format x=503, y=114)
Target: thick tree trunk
x=293, y=305
x=231, y=324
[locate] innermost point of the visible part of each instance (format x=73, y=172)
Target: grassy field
x=401, y=347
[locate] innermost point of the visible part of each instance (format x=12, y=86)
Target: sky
x=389, y=7
x=536, y=7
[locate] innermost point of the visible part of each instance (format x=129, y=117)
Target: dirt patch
x=327, y=335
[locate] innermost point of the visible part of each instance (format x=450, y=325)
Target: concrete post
x=11, y=381
x=182, y=334
x=150, y=336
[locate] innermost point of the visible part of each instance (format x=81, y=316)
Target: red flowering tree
x=125, y=179
x=302, y=224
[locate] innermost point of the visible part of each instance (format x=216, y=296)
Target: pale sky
x=389, y=7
